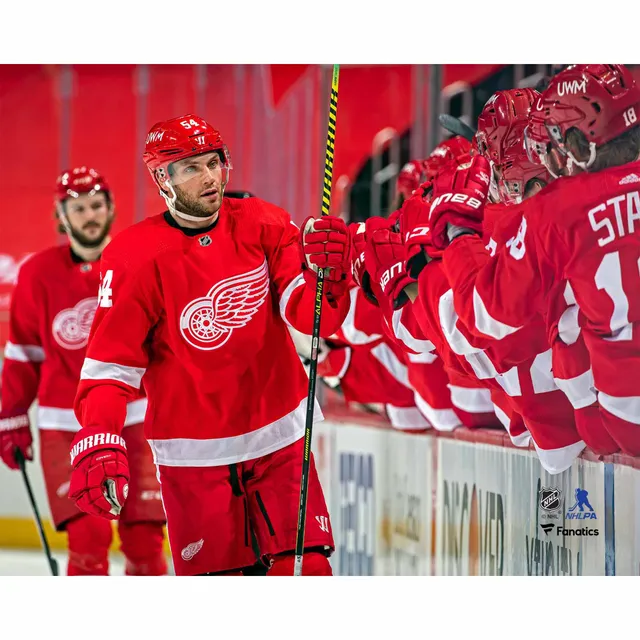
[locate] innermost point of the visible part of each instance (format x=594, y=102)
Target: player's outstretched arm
x=294, y=254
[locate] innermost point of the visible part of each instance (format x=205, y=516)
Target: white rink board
x=627, y=521
x=360, y=469
x=409, y=505
x=455, y=507
x=489, y=519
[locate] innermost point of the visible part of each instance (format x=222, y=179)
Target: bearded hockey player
x=52, y=308
x=194, y=305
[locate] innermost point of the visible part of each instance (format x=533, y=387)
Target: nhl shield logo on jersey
x=71, y=327
x=207, y=323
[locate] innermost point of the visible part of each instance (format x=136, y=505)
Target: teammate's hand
x=416, y=233
x=100, y=475
x=457, y=204
x=358, y=265
x=324, y=244
x=15, y=435
x=385, y=256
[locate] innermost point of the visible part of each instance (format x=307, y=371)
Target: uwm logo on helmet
x=154, y=136
x=572, y=86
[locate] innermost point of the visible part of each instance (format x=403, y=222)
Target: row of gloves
x=388, y=254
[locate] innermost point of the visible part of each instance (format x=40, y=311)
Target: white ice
x=33, y=563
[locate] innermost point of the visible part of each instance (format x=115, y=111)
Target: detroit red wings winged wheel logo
x=208, y=322
x=71, y=327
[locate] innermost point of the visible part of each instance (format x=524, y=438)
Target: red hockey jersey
x=52, y=308
x=372, y=369
x=199, y=317
x=579, y=230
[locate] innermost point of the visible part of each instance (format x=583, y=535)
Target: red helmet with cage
x=515, y=172
x=73, y=182
x=502, y=121
x=178, y=138
x=446, y=152
x=600, y=100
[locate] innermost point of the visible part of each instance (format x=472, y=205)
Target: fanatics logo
x=191, y=549
x=207, y=323
x=71, y=327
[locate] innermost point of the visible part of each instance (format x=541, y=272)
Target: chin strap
x=171, y=198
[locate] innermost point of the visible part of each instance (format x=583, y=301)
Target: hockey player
x=579, y=231
x=194, y=305
x=52, y=308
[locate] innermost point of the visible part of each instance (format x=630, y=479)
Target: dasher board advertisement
x=499, y=513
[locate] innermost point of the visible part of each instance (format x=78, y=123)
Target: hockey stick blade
x=456, y=126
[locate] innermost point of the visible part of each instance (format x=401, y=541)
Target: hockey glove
x=15, y=434
x=458, y=200
x=358, y=266
x=324, y=244
x=415, y=232
x=385, y=256
x=100, y=472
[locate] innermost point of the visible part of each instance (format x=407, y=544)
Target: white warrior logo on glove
x=71, y=327
x=207, y=323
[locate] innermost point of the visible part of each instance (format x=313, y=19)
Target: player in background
x=194, y=305
x=52, y=308
x=579, y=231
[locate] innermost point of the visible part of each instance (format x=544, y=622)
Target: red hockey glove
x=457, y=204
x=100, y=476
x=15, y=434
x=358, y=266
x=324, y=243
x=385, y=256
x=415, y=232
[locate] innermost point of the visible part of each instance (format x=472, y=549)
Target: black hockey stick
x=456, y=126
x=315, y=335
x=53, y=563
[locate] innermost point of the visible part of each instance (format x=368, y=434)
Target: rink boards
x=407, y=504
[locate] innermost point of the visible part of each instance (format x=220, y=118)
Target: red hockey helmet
x=600, y=100
x=446, y=152
x=515, y=172
x=502, y=121
x=73, y=182
x=410, y=178
x=178, y=138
